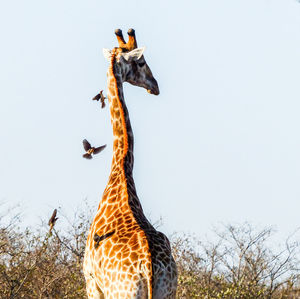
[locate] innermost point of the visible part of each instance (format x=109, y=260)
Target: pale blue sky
x=221, y=142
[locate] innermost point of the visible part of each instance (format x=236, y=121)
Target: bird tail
x=87, y=156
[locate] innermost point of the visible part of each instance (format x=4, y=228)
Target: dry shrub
x=241, y=262
x=42, y=264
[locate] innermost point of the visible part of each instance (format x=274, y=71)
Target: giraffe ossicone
x=125, y=256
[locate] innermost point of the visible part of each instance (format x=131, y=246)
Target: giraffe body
x=125, y=256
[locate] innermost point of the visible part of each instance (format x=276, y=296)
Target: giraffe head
x=131, y=63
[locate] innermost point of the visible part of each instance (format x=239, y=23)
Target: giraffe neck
x=122, y=131
x=120, y=190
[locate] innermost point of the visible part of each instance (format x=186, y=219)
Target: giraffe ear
x=106, y=53
x=135, y=54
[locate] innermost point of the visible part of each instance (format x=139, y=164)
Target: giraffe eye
x=141, y=64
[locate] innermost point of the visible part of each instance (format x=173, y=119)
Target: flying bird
x=91, y=150
x=53, y=219
x=100, y=97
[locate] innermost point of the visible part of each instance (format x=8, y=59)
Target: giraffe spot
x=118, y=247
x=126, y=263
x=116, y=143
x=125, y=254
x=135, y=247
x=117, y=113
x=101, y=222
x=128, y=221
x=133, y=256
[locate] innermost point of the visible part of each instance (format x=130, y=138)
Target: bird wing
x=99, y=149
x=86, y=145
x=103, y=102
x=97, y=97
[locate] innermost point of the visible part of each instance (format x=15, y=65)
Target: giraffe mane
x=111, y=69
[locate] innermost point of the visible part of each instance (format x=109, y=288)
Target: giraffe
x=125, y=256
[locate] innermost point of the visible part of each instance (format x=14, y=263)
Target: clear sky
x=221, y=142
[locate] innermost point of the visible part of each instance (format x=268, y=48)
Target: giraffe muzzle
x=154, y=89
x=155, y=92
